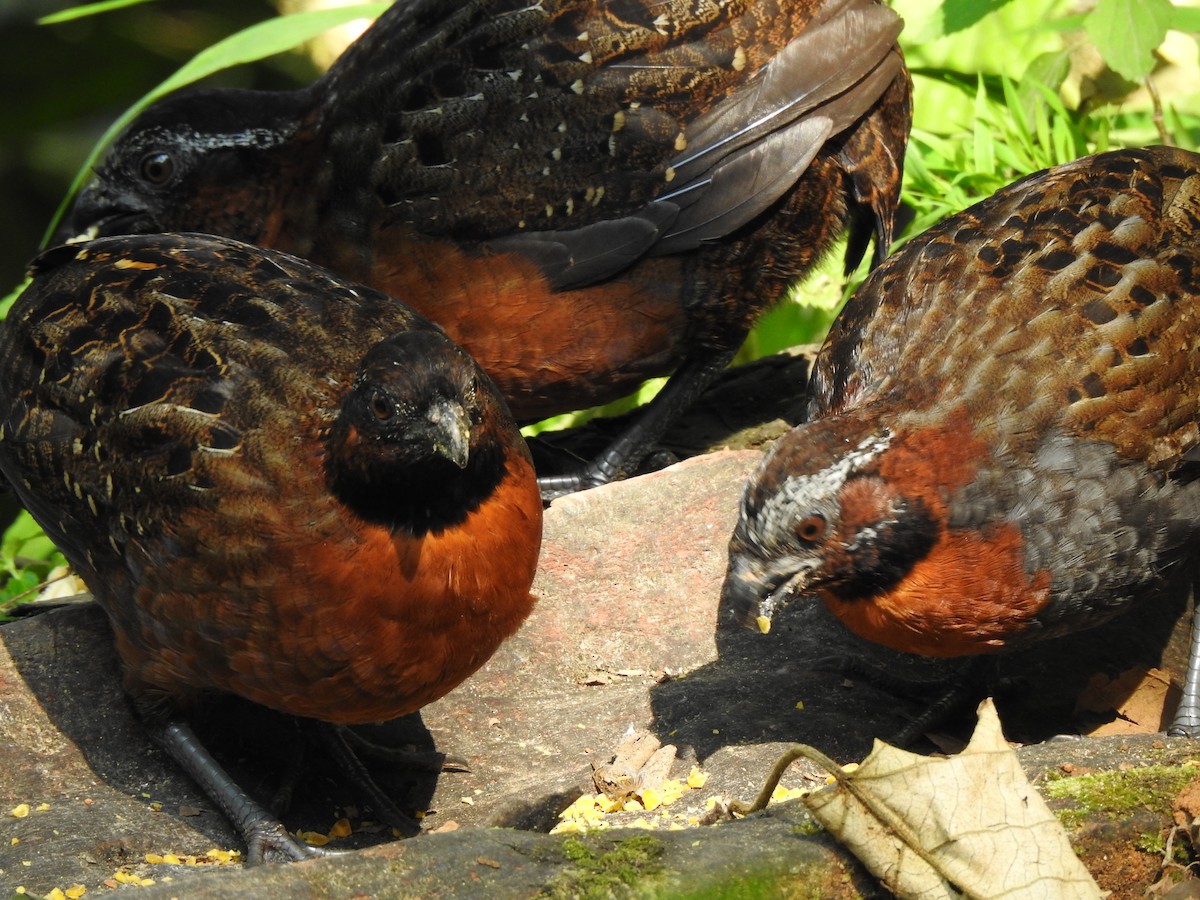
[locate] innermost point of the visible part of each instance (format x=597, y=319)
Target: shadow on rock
x=786, y=686
x=67, y=660
x=812, y=681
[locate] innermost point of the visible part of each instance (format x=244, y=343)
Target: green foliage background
x=1002, y=88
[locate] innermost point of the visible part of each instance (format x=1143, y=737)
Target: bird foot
x=432, y=761
x=338, y=741
x=555, y=486
x=604, y=469
x=269, y=842
x=1186, y=724
x=891, y=681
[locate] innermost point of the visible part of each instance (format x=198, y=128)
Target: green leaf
x=88, y=9
x=1049, y=69
x=23, y=541
x=960, y=14
x=1185, y=18
x=19, y=584
x=1066, y=23
x=1126, y=32
x=249, y=45
x=265, y=39
x=983, y=147
x=1020, y=113
x=11, y=297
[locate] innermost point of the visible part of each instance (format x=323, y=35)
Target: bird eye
x=157, y=167
x=811, y=528
x=381, y=407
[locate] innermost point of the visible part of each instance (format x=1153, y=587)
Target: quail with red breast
x=1003, y=424
x=278, y=485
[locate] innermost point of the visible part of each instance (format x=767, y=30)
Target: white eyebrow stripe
x=262, y=138
x=812, y=491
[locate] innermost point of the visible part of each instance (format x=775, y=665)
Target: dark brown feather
x=570, y=144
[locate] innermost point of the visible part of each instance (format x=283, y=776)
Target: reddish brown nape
x=932, y=463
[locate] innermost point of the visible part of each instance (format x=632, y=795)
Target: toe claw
x=270, y=842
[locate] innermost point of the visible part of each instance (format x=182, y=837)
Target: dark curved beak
x=751, y=592
x=757, y=586
x=99, y=211
x=451, y=429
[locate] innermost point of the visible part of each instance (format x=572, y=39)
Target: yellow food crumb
x=672, y=789
x=43, y=807
x=56, y=894
x=214, y=857
x=589, y=810
x=847, y=768
x=15, y=841
x=607, y=804
x=19, y=811
x=75, y=892
x=781, y=793
x=800, y=704
x=340, y=829
x=124, y=876
x=584, y=811
x=763, y=623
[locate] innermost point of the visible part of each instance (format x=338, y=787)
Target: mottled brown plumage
x=278, y=484
x=583, y=194
x=1004, y=423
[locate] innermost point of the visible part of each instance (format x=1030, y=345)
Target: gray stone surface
x=627, y=634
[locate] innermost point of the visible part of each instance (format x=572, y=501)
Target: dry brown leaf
x=969, y=825
x=1142, y=699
